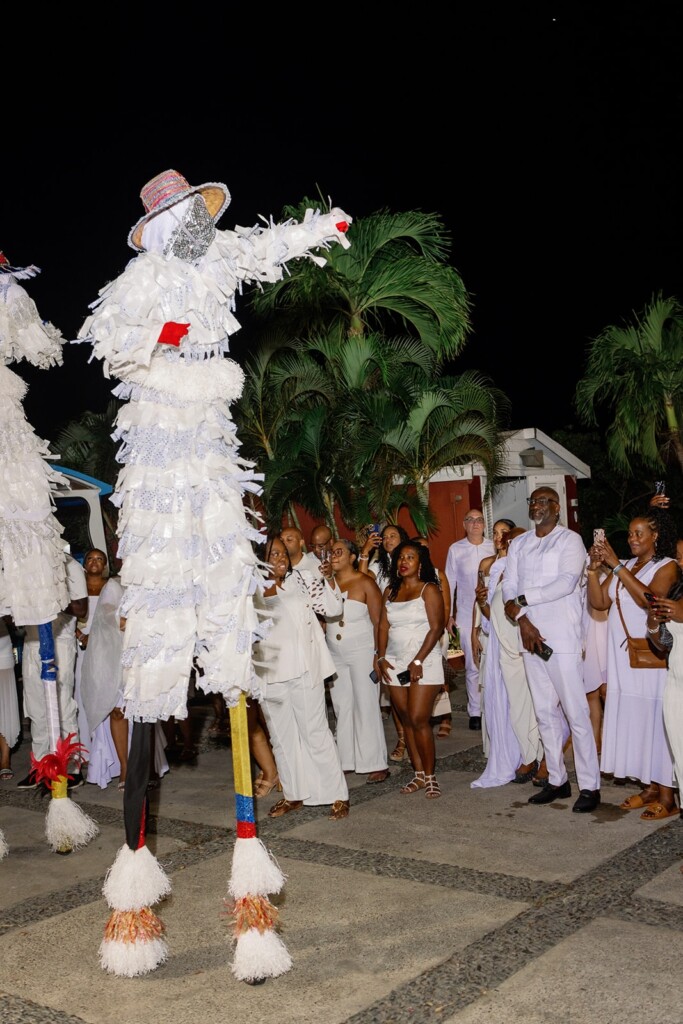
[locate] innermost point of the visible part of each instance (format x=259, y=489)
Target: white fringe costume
x=33, y=587
x=32, y=568
x=189, y=567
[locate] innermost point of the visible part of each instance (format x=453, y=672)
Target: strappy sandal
x=284, y=806
x=262, y=787
x=399, y=752
x=432, y=790
x=417, y=782
x=339, y=810
x=444, y=729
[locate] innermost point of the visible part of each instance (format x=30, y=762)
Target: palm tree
x=635, y=371
x=394, y=275
x=343, y=403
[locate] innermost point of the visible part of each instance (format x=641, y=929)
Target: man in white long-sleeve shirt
x=462, y=564
x=541, y=590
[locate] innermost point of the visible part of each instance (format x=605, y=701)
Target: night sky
x=547, y=138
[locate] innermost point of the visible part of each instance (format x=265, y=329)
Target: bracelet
x=383, y=658
x=363, y=558
x=617, y=568
x=653, y=631
x=592, y=571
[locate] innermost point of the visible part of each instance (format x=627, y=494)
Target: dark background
x=546, y=136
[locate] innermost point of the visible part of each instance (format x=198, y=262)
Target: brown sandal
x=339, y=810
x=444, y=729
x=284, y=806
x=399, y=752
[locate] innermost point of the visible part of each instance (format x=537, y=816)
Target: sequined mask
x=194, y=234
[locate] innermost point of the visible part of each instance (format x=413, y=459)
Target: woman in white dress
x=352, y=640
x=293, y=662
x=665, y=630
x=409, y=655
x=375, y=561
x=634, y=743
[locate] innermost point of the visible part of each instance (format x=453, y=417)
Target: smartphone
x=599, y=536
x=544, y=652
x=481, y=578
x=660, y=487
x=374, y=676
x=404, y=677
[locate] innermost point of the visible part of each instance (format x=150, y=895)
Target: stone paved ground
x=474, y=908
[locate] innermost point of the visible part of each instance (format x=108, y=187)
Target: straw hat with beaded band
x=169, y=188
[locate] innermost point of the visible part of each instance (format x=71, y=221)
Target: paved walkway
x=474, y=908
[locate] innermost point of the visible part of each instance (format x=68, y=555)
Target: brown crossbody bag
x=641, y=653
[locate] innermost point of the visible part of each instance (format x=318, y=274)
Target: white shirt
x=548, y=570
x=462, y=564
x=295, y=642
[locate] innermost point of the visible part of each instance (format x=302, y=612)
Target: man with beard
x=542, y=593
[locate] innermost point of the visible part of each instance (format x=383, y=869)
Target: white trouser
x=303, y=745
x=34, y=693
x=557, y=690
x=471, y=672
x=360, y=733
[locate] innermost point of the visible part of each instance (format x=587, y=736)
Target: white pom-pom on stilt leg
x=67, y=826
x=254, y=871
x=260, y=955
x=133, y=941
x=135, y=880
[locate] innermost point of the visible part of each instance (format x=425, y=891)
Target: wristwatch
x=521, y=601
x=416, y=661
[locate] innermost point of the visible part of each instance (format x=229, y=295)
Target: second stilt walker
x=189, y=567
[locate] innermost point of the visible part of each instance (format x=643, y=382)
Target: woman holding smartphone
x=633, y=739
x=409, y=657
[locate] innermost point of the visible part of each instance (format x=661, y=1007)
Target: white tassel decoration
x=67, y=826
x=260, y=955
x=131, y=959
x=133, y=941
x=254, y=872
x=135, y=880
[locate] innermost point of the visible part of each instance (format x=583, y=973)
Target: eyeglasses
x=543, y=502
x=337, y=552
x=468, y=519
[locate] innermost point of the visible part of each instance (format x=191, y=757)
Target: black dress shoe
x=475, y=723
x=587, y=800
x=550, y=793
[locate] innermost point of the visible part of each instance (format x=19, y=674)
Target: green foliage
x=634, y=374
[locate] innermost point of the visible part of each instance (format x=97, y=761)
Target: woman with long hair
x=634, y=742
x=293, y=662
x=409, y=656
x=375, y=561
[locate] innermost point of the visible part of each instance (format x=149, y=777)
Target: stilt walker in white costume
x=33, y=577
x=189, y=568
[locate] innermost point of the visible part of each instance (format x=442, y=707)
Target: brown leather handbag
x=641, y=653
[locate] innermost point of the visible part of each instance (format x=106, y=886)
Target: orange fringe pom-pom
x=253, y=912
x=133, y=926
